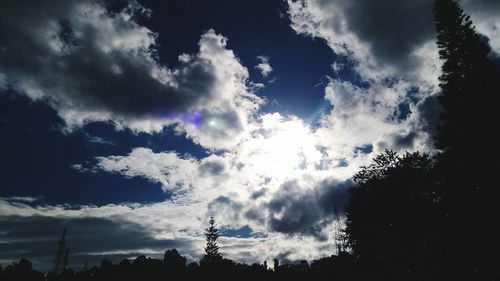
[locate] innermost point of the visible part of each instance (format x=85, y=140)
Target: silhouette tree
x=211, y=235
x=470, y=83
x=391, y=217
x=21, y=270
x=174, y=263
x=144, y=268
x=172, y=257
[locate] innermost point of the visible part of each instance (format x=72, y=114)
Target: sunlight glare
x=282, y=148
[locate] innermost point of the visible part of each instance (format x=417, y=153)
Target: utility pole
x=61, y=259
x=65, y=264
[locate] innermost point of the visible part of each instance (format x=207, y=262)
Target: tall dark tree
x=470, y=84
x=211, y=236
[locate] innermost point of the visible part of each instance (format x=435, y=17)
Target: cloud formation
x=92, y=64
x=272, y=173
x=367, y=27
x=249, y=185
x=392, y=55
x=285, y=178
x=385, y=37
x=264, y=66
x=129, y=229
x=90, y=240
x=166, y=168
x=296, y=209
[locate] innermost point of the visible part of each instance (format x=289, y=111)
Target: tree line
x=411, y=216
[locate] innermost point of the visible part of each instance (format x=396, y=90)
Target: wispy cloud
x=98, y=140
x=264, y=66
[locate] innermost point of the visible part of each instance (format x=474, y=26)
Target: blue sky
x=300, y=66
x=145, y=118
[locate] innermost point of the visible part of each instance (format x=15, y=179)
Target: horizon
x=131, y=123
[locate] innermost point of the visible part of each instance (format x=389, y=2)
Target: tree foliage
x=391, y=213
x=470, y=85
x=415, y=217
x=211, y=236
x=173, y=260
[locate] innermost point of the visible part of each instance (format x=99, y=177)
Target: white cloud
x=147, y=229
x=274, y=173
x=394, y=54
x=381, y=41
x=166, y=168
x=239, y=186
x=91, y=65
x=279, y=164
x=395, y=42
x=275, y=150
x=264, y=66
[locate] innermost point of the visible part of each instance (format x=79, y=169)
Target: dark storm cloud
x=81, y=57
x=305, y=211
x=89, y=239
x=392, y=28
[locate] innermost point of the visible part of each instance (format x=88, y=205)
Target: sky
x=130, y=123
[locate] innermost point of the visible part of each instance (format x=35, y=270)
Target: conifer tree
x=470, y=85
x=211, y=235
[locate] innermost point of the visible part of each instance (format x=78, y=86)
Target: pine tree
x=211, y=235
x=470, y=86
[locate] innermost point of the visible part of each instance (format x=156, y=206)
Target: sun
x=282, y=147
